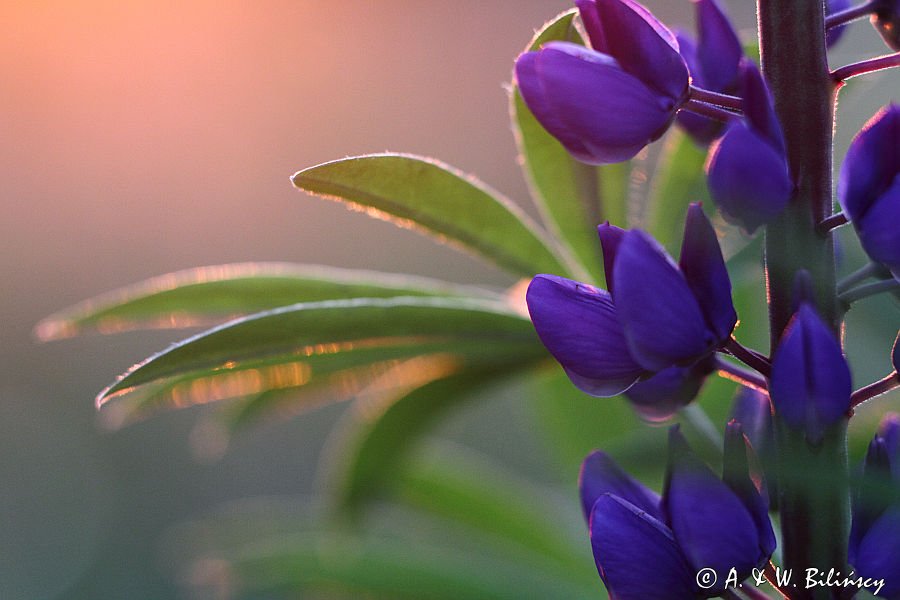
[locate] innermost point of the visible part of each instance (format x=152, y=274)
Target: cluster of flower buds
x=644, y=543
x=654, y=333
x=655, y=316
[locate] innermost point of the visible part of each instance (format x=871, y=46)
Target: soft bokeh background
x=145, y=137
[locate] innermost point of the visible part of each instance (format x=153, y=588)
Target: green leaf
x=470, y=489
x=375, y=437
x=428, y=195
x=287, y=335
x=390, y=568
x=208, y=295
x=573, y=197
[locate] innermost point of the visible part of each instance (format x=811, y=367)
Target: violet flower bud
x=651, y=547
x=747, y=168
x=656, y=314
x=833, y=35
x=869, y=187
x=713, y=61
x=658, y=398
x=605, y=104
x=887, y=21
x=874, y=545
x=810, y=384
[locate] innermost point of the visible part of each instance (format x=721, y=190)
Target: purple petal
x=869, y=501
x=704, y=270
x=878, y=228
x=582, y=89
x=636, y=555
x=759, y=107
x=610, y=237
x=657, y=399
x=600, y=475
x=871, y=164
x=748, y=179
x=889, y=431
x=737, y=475
x=643, y=46
x=535, y=98
x=712, y=526
x=753, y=411
x=578, y=325
x=719, y=51
x=835, y=33
x=879, y=553
x=661, y=318
x=810, y=384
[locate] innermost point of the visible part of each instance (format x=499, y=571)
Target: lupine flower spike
x=582, y=96
x=869, y=187
x=655, y=315
x=748, y=172
x=647, y=547
x=713, y=60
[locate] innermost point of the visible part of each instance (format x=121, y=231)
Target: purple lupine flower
x=647, y=547
x=833, y=35
x=658, y=398
x=747, y=169
x=713, y=61
x=605, y=104
x=887, y=21
x=810, y=384
x=656, y=314
x=869, y=187
x=874, y=545
x=753, y=410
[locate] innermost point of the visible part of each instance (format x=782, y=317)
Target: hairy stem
x=850, y=14
x=711, y=97
x=741, y=375
x=866, y=66
x=873, y=390
x=709, y=110
x=870, y=289
x=815, y=513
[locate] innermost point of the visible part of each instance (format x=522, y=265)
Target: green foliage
x=423, y=193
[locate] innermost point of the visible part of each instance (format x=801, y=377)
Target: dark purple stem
x=832, y=222
x=850, y=14
x=866, y=66
x=711, y=97
x=882, y=386
x=749, y=357
x=738, y=374
x=709, y=110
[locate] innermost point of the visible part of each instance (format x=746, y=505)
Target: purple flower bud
x=658, y=398
x=747, y=169
x=657, y=315
x=810, y=383
x=634, y=72
x=869, y=187
x=874, y=546
x=645, y=547
x=887, y=21
x=833, y=35
x=713, y=61
x=753, y=411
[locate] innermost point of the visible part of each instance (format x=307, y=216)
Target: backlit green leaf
x=425, y=194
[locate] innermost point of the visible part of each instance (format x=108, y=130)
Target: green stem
x=861, y=274
x=702, y=424
x=814, y=513
x=870, y=289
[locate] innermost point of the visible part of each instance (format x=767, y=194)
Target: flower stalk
x=814, y=513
